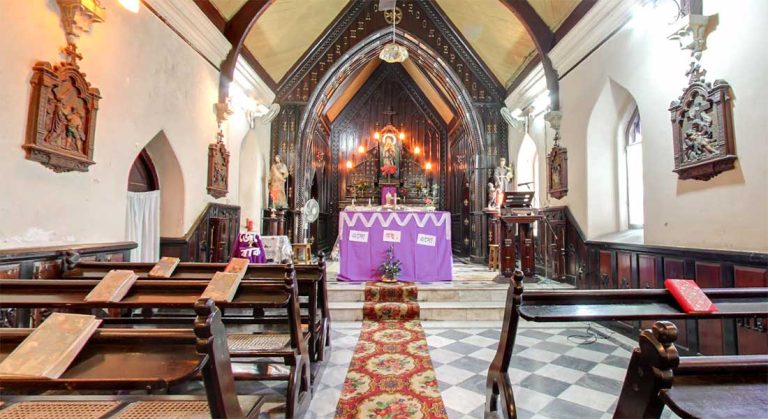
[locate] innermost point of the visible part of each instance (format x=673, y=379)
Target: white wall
x=150, y=81
x=728, y=212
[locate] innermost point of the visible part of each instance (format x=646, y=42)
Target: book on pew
x=237, y=265
x=51, y=347
x=690, y=297
x=223, y=286
x=164, y=267
x=113, y=287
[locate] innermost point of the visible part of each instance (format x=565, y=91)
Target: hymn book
x=238, y=266
x=164, y=268
x=51, y=347
x=223, y=286
x=690, y=297
x=113, y=287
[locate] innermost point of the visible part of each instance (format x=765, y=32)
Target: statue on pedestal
x=277, y=176
x=503, y=175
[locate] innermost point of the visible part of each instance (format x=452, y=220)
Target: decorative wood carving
x=702, y=127
x=557, y=163
x=218, y=168
x=62, y=115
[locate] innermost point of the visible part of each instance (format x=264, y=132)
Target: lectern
x=517, y=215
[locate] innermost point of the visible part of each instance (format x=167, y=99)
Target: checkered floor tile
x=559, y=371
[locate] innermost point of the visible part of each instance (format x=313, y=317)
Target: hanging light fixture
x=393, y=52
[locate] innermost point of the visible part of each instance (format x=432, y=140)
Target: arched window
x=528, y=168
x=633, y=147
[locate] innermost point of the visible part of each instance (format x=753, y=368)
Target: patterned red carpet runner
x=391, y=374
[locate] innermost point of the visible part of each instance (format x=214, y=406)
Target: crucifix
x=390, y=113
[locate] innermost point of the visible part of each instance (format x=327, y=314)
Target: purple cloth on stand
x=422, y=242
x=385, y=190
x=248, y=246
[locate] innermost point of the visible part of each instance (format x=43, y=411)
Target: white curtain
x=142, y=225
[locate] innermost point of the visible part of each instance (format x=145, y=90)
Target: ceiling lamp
x=394, y=52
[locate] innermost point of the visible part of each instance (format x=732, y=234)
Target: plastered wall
x=728, y=212
x=152, y=83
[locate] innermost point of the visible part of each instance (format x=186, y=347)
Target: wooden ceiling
x=289, y=30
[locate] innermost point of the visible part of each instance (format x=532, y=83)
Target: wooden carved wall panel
x=752, y=333
x=709, y=275
x=702, y=128
x=420, y=18
x=61, y=124
x=218, y=170
x=557, y=163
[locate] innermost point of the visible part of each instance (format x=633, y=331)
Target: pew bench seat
x=118, y=407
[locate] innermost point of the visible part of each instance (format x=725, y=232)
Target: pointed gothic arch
x=364, y=51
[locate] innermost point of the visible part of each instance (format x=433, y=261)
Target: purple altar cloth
x=422, y=242
x=248, y=246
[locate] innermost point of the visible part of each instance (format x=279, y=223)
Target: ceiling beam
x=543, y=38
x=236, y=31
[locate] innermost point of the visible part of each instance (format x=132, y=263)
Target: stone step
x=485, y=292
x=430, y=310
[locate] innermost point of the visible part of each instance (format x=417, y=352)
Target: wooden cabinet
x=751, y=333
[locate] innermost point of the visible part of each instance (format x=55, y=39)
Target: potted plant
x=390, y=267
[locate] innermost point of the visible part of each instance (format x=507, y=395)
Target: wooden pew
x=116, y=359
x=311, y=278
x=69, y=294
x=604, y=305
x=692, y=387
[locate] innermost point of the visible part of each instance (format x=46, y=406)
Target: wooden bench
x=69, y=294
x=312, y=281
x=604, y=305
x=695, y=387
x=116, y=359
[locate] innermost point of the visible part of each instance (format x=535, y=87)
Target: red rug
x=391, y=374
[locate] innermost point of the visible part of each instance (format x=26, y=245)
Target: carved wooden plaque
x=558, y=172
x=702, y=127
x=218, y=170
x=62, y=117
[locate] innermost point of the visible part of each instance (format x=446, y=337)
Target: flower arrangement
x=388, y=170
x=430, y=196
x=390, y=267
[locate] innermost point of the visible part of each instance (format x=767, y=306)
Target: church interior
x=383, y=209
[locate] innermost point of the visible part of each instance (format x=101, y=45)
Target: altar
x=421, y=241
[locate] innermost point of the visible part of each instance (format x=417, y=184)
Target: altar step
x=456, y=301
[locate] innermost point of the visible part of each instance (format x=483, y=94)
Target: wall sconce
x=428, y=166
x=376, y=135
x=402, y=135
x=77, y=16
x=416, y=150
x=361, y=149
x=692, y=34
x=349, y=164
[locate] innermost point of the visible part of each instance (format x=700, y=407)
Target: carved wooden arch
x=236, y=30
x=544, y=39
x=366, y=50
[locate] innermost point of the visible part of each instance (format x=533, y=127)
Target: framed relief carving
x=557, y=162
x=62, y=116
x=702, y=127
x=218, y=169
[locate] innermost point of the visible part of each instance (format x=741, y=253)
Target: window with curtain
x=634, y=170
x=528, y=168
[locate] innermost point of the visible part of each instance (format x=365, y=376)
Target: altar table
x=421, y=240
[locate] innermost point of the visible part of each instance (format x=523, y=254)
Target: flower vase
x=388, y=279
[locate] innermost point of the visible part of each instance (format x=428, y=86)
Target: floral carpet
x=391, y=374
